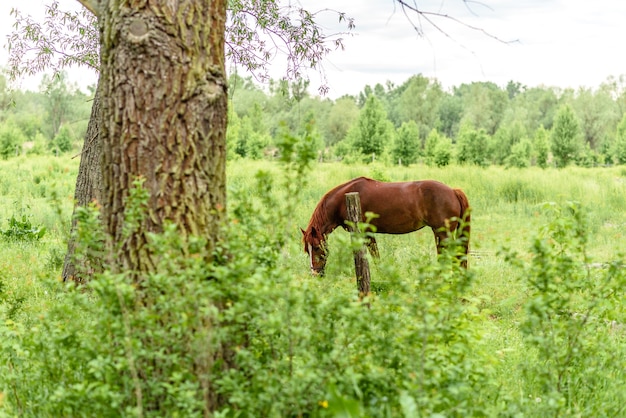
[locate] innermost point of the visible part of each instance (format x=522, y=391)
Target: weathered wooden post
x=361, y=265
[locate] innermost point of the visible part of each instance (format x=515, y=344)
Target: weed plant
x=574, y=323
x=21, y=229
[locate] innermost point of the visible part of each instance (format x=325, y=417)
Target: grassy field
x=507, y=204
x=510, y=208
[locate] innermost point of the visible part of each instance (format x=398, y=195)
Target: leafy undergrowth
x=535, y=327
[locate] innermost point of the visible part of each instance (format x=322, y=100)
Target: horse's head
x=315, y=247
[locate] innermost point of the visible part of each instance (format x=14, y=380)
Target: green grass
x=508, y=210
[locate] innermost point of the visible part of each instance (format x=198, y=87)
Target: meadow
x=534, y=328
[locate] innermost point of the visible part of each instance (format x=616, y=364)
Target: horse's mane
x=320, y=218
x=319, y=215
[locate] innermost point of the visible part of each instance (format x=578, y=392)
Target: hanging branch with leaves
x=258, y=31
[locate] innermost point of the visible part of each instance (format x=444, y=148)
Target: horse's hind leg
x=440, y=237
x=372, y=246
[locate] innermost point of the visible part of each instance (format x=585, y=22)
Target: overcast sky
x=563, y=43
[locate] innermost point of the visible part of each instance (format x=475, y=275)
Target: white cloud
x=564, y=43
x=567, y=43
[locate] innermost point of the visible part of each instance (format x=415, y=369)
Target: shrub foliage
x=245, y=336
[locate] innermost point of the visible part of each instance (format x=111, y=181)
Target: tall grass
x=516, y=239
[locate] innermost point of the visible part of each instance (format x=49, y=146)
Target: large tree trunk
x=88, y=186
x=164, y=107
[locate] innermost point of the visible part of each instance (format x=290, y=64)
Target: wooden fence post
x=361, y=265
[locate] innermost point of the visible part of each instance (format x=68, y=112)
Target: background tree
x=372, y=130
x=297, y=109
x=597, y=113
x=450, y=113
x=254, y=137
x=233, y=132
x=541, y=147
x=419, y=102
x=483, y=105
x=242, y=143
x=244, y=95
x=5, y=97
x=430, y=143
x=587, y=157
x=615, y=87
x=620, y=142
x=565, y=135
x=514, y=89
x=62, y=142
x=535, y=107
x=472, y=146
x=406, y=144
x=58, y=93
x=502, y=142
x=344, y=113
x=381, y=92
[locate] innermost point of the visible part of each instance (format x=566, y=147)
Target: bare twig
x=430, y=17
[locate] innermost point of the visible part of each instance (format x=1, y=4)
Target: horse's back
x=401, y=192
x=402, y=207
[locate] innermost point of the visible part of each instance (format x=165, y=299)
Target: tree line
x=477, y=123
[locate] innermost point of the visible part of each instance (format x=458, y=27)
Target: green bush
x=519, y=154
x=11, y=139
x=62, y=142
x=574, y=323
x=21, y=229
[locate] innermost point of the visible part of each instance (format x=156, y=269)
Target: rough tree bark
x=163, y=118
x=88, y=185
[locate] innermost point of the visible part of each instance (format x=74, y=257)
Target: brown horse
x=401, y=207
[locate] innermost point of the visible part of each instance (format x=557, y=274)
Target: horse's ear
x=303, y=231
x=314, y=232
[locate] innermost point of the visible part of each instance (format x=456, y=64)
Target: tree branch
x=430, y=16
x=62, y=40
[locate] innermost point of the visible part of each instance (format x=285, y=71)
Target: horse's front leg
x=372, y=246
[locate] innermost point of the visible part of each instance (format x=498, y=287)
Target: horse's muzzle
x=319, y=272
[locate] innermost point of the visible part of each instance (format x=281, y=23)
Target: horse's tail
x=465, y=219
